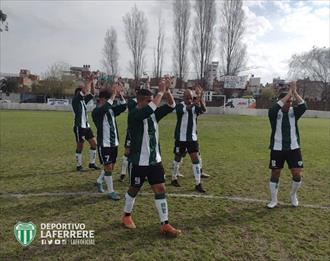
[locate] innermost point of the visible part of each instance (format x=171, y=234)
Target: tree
x=268, y=93
x=232, y=28
x=110, y=52
x=136, y=36
x=11, y=84
x=55, y=82
x=314, y=64
x=203, y=35
x=181, y=10
x=3, y=18
x=159, y=50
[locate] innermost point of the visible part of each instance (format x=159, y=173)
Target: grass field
x=37, y=155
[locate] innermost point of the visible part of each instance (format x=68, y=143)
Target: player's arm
x=143, y=113
x=121, y=107
x=88, y=94
x=165, y=109
x=200, y=101
x=302, y=107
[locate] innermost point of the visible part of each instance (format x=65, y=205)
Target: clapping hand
x=198, y=91
x=162, y=86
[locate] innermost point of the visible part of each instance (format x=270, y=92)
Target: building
x=81, y=72
x=211, y=74
x=27, y=79
x=253, y=86
x=313, y=90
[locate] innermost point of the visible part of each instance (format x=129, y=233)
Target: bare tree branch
x=203, y=35
x=159, y=50
x=314, y=64
x=181, y=10
x=232, y=50
x=136, y=35
x=110, y=52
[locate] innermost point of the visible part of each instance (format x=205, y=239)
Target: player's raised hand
x=198, y=91
x=293, y=87
x=114, y=89
x=168, y=82
x=162, y=86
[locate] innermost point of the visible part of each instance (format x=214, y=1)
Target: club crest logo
x=25, y=233
x=137, y=181
x=300, y=163
x=273, y=163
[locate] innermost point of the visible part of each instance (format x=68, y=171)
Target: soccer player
x=285, y=142
x=104, y=117
x=186, y=135
x=83, y=95
x=145, y=153
x=131, y=104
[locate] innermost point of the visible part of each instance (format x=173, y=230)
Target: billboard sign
x=234, y=82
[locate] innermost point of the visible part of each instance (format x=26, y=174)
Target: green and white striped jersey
x=104, y=118
x=285, y=133
x=144, y=134
x=80, y=109
x=131, y=104
x=186, y=125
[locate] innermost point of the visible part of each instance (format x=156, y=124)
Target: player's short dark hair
x=144, y=93
x=77, y=90
x=282, y=95
x=105, y=93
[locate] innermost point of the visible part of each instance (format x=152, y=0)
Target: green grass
x=37, y=155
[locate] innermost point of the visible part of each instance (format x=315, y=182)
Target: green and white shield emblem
x=25, y=232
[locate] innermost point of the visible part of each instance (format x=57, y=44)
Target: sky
x=44, y=32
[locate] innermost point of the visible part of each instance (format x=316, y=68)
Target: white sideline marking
x=230, y=198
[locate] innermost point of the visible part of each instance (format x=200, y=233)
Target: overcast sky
x=44, y=32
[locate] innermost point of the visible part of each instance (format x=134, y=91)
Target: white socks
x=197, y=172
x=273, y=191
x=100, y=178
x=293, y=194
x=92, y=156
x=124, y=166
x=176, y=166
x=129, y=203
x=108, y=181
x=79, y=159
x=161, y=205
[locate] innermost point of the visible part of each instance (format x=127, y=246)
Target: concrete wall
x=210, y=110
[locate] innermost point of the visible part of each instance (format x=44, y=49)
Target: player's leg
x=156, y=179
x=100, y=179
x=79, y=147
x=179, y=153
x=109, y=161
x=295, y=163
x=124, y=164
x=193, y=150
x=137, y=177
x=203, y=174
x=92, y=151
x=108, y=169
x=276, y=164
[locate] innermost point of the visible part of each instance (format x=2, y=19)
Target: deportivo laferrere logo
x=25, y=233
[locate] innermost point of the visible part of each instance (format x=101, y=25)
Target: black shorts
x=154, y=173
x=107, y=155
x=182, y=147
x=127, y=143
x=83, y=134
x=292, y=157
